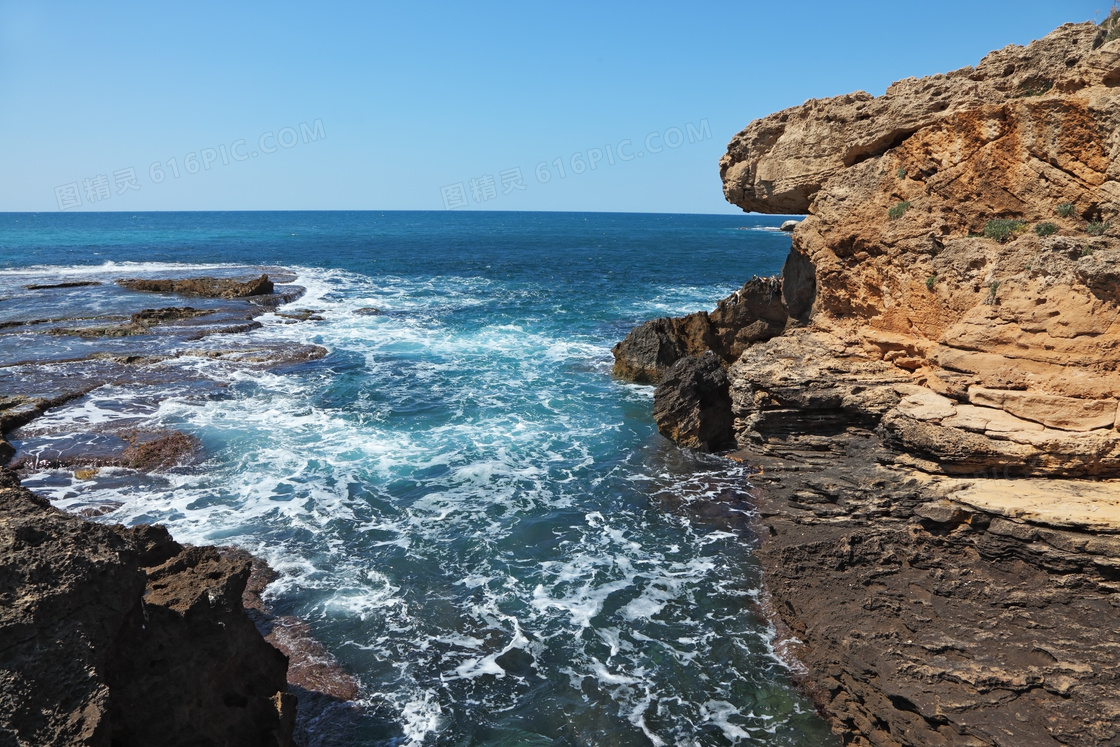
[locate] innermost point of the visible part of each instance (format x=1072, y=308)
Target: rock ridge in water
x=202, y=287
x=935, y=423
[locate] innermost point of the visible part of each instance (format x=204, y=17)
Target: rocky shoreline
x=119, y=635
x=929, y=396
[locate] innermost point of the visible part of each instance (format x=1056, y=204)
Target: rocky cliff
x=948, y=336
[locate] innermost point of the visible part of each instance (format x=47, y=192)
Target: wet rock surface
x=108, y=337
x=117, y=636
x=202, y=287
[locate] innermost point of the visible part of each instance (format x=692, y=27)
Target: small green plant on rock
x=901, y=173
x=1096, y=228
x=993, y=289
x=931, y=281
x=1002, y=229
x=1046, y=229
x=898, y=210
x=1065, y=209
x=1086, y=251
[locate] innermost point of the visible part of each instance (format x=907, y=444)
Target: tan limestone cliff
x=1016, y=325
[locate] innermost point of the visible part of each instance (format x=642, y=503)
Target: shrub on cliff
x=1002, y=229
x=898, y=210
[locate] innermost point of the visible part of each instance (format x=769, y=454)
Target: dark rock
x=7, y=451
x=929, y=623
x=202, y=287
x=8, y=478
x=73, y=284
x=799, y=284
x=149, y=317
x=194, y=666
x=692, y=404
x=302, y=315
x=789, y=225
x=19, y=410
x=115, y=636
x=368, y=311
x=752, y=314
x=141, y=323
x=271, y=355
x=647, y=352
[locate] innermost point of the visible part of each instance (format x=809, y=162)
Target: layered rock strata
x=936, y=419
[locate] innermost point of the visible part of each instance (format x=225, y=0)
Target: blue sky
x=425, y=105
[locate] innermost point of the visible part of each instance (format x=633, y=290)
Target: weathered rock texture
x=203, y=287
x=940, y=611
x=1019, y=331
x=692, y=404
x=114, y=636
x=952, y=302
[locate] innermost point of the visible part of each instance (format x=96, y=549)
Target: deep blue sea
x=470, y=513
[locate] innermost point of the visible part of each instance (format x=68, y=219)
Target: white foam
x=453, y=434
x=420, y=717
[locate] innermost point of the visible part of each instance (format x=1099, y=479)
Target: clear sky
x=428, y=105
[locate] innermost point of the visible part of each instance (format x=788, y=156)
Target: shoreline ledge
x=119, y=635
x=122, y=636
x=929, y=395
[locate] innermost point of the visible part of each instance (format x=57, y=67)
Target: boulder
x=647, y=352
x=754, y=313
x=692, y=404
x=789, y=225
x=116, y=636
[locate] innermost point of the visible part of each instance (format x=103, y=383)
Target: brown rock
x=158, y=450
x=901, y=192
x=203, y=287
x=939, y=342
x=1066, y=413
x=754, y=313
x=117, y=636
x=71, y=284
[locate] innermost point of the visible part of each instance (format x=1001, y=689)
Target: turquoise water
x=470, y=513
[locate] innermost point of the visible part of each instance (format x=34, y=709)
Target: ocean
x=480, y=523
